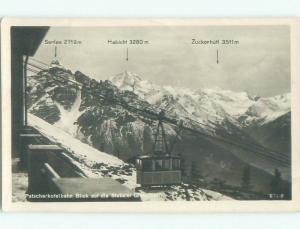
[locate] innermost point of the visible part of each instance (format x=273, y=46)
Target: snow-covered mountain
x=206, y=105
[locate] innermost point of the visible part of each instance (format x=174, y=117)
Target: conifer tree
x=276, y=182
x=246, y=178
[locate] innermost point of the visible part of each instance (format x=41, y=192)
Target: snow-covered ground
x=19, y=187
x=95, y=163
x=19, y=183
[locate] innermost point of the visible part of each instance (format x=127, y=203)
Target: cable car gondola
x=159, y=168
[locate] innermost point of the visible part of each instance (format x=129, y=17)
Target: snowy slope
x=266, y=110
x=68, y=142
x=69, y=117
x=95, y=163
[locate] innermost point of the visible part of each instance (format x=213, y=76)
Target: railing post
x=25, y=140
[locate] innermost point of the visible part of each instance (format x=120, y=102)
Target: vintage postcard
x=150, y=115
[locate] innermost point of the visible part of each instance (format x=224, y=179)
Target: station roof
x=26, y=39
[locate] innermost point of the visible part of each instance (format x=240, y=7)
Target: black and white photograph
x=151, y=113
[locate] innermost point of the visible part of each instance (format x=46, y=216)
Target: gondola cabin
x=160, y=168
x=157, y=170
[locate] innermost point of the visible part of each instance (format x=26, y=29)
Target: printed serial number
x=276, y=196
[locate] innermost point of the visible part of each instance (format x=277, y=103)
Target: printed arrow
x=217, y=56
x=127, y=54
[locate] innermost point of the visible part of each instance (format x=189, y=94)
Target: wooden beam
x=44, y=147
x=50, y=171
x=30, y=135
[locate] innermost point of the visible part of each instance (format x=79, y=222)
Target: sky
x=259, y=64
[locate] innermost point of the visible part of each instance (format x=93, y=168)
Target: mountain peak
x=56, y=65
x=125, y=79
